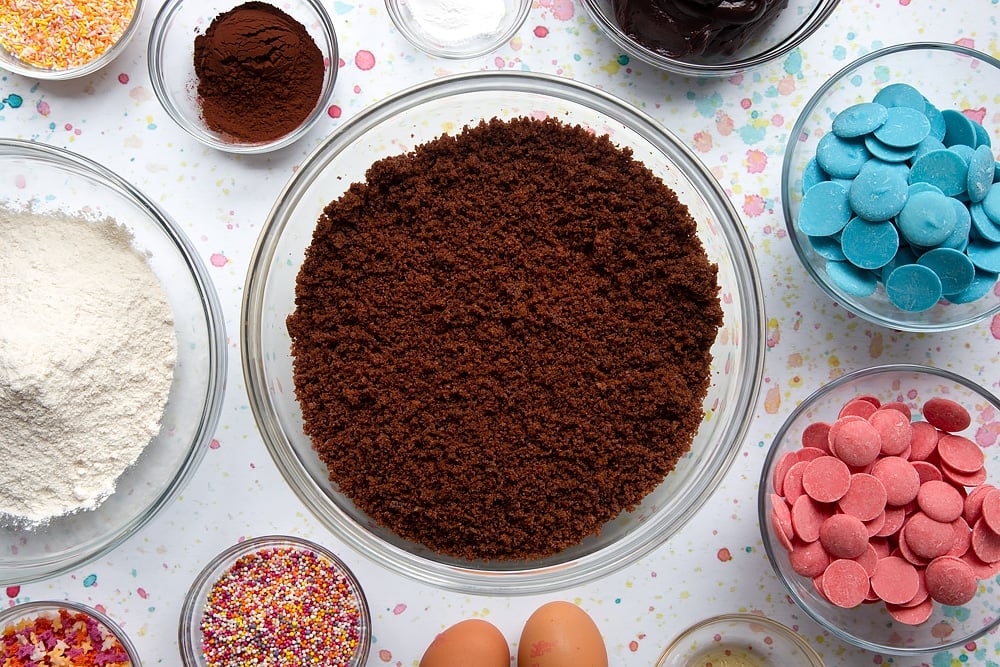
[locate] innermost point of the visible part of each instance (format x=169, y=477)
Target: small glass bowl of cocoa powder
x=243, y=76
x=518, y=525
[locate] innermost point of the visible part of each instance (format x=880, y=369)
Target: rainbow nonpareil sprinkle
x=60, y=34
x=281, y=606
x=68, y=638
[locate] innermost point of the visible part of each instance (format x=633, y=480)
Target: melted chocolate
x=682, y=28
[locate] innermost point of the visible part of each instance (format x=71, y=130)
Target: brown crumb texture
x=502, y=339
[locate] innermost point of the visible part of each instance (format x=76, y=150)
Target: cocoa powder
x=259, y=73
x=502, y=339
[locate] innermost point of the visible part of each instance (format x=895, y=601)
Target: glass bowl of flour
x=112, y=360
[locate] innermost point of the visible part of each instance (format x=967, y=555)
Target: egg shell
x=470, y=643
x=561, y=634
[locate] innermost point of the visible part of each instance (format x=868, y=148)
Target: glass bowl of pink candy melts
x=880, y=508
x=891, y=188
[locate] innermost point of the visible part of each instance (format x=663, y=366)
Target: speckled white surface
x=737, y=126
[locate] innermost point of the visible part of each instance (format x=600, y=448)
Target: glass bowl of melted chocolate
x=707, y=38
x=503, y=333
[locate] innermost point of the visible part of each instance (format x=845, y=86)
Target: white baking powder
x=453, y=21
x=87, y=350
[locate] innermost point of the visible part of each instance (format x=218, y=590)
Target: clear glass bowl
x=28, y=612
x=739, y=639
x=431, y=39
x=799, y=20
x=52, y=179
x=12, y=63
x=950, y=76
x=416, y=116
x=171, y=66
x=870, y=627
x=190, y=634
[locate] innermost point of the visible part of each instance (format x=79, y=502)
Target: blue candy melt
x=905, y=127
x=991, y=203
x=984, y=255
x=942, y=168
x=927, y=145
x=926, y=220
x=827, y=247
x=953, y=268
x=869, y=245
x=879, y=191
x=888, y=153
x=859, y=119
x=812, y=174
x=825, y=209
x=841, y=158
x=900, y=95
x=936, y=120
x=959, y=237
x=851, y=279
x=958, y=129
x=913, y=288
x=980, y=176
x=981, y=285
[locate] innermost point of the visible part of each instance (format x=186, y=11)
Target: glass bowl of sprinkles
x=739, y=639
x=719, y=419
x=266, y=599
x=114, y=361
x=204, y=57
x=79, y=38
x=49, y=633
x=470, y=30
x=879, y=508
x=700, y=46
x=889, y=187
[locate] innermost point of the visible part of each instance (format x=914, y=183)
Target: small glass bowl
x=171, y=66
x=29, y=612
x=51, y=179
x=869, y=626
x=448, y=41
x=12, y=63
x=420, y=114
x=190, y=633
x=739, y=639
x=948, y=75
x=795, y=23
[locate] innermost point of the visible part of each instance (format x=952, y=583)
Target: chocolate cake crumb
x=502, y=339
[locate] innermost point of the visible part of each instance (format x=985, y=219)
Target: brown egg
x=560, y=634
x=470, y=643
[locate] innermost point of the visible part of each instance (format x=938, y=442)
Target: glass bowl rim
x=211, y=411
x=459, y=52
x=210, y=573
x=448, y=576
x=845, y=300
x=39, y=606
x=154, y=54
x=745, y=619
x=805, y=29
x=764, y=485
x=87, y=68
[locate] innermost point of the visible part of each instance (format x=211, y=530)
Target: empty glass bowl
x=171, y=67
x=48, y=180
x=796, y=22
x=870, y=626
x=393, y=127
x=949, y=76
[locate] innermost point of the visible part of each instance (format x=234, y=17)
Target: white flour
x=452, y=21
x=87, y=351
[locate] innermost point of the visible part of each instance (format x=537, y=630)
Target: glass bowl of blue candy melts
x=891, y=187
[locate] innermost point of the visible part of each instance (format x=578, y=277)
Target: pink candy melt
x=882, y=509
